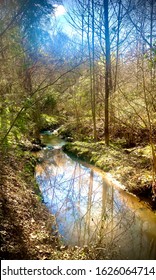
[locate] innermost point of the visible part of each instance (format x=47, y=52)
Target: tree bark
x=107, y=71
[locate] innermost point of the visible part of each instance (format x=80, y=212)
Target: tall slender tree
x=107, y=69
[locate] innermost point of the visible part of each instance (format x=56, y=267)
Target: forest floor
x=131, y=167
x=28, y=230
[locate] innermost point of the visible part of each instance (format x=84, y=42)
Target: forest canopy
x=98, y=80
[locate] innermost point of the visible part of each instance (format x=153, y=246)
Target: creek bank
x=28, y=230
x=131, y=167
x=31, y=146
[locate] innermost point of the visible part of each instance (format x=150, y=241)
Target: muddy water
x=91, y=209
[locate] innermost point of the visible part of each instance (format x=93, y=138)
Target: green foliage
x=48, y=121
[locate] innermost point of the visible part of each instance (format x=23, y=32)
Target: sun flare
x=59, y=10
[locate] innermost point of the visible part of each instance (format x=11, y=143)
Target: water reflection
x=90, y=210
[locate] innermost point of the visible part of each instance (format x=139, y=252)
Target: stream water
x=91, y=209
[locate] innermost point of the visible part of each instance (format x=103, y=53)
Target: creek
x=89, y=208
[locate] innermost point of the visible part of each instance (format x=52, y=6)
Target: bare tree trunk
x=107, y=71
x=151, y=39
x=92, y=66
x=117, y=47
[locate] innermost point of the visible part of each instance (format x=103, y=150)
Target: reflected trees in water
x=87, y=209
